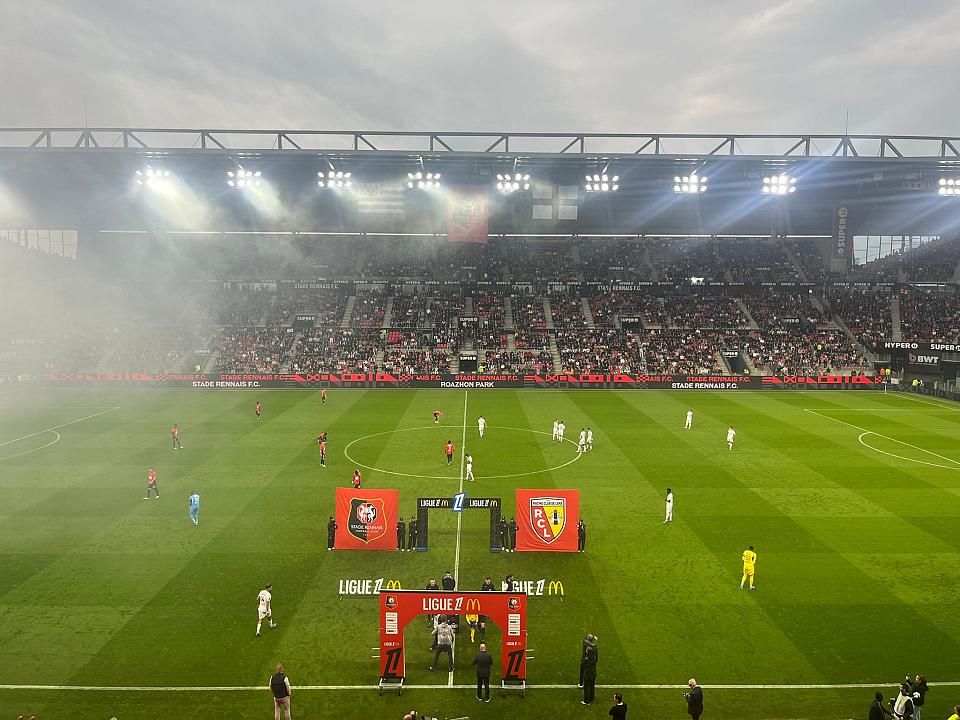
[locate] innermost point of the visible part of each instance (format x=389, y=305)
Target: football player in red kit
x=356, y=479
x=323, y=396
x=323, y=452
x=449, y=448
x=175, y=434
x=258, y=411
x=436, y=416
x=151, y=483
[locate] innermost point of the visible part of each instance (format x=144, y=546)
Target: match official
x=590, y=641
x=483, y=661
x=331, y=532
x=694, y=699
x=401, y=534
x=581, y=536
x=412, y=534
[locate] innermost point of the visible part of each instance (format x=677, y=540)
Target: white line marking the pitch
x=51, y=430
x=261, y=688
x=942, y=404
x=864, y=432
x=456, y=557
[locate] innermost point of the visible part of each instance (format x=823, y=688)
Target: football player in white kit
x=469, y=460
x=731, y=434
x=481, y=425
x=589, y=439
x=689, y=424
x=561, y=429
x=668, y=517
x=582, y=441
x=264, y=609
x=556, y=430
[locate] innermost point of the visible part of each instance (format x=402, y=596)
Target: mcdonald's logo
x=393, y=585
x=473, y=607
x=555, y=588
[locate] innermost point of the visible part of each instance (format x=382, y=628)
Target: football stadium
x=412, y=384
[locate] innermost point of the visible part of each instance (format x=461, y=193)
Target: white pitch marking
x=27, y=452
x=259, y=688
x=901, y=457
x=55, y=427
x=447, y=477
x=956, y=463
x=942, y=404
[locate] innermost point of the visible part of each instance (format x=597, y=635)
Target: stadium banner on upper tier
x=481, y=381
x=507, y=610
x=841, y=238
x=909, y=346
x=467, y=216
x=547, y=520
x=366, y=519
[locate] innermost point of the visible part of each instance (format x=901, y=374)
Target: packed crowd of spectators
x=679, y=352
x=678, y=260
x=253, y=350
x=622, y=260
x=610, y=307
x=867, y=316
x=416, y=361
x=596, y=350
x=326, y=305
x=789, y=352
x=517, y=361
x=566, y=311
x=810, y=259
x=528, y=262
x=528, y=312
x=337, y=350
x=932, y=261
x=409, y=311
x=444, y=310
x=702, y=311
x=533, y=339
x=368, y=309
x=930, y=317
x=489, y=308
x=754, y=261
x=774, y=310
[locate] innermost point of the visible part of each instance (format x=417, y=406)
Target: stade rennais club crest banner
x=366, y=519
x=547, y=520
x=467, y=216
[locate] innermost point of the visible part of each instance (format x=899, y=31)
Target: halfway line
x=57, y=427
x=259, y=688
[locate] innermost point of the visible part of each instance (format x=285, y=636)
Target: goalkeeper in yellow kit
x=749, y=567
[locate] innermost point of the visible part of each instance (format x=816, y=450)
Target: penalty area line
x=340, y=688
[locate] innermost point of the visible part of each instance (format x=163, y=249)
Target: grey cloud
x=690, y=65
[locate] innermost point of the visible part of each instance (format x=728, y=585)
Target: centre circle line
x=346, y=453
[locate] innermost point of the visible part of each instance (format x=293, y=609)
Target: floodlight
x=153, y=179
x=949, y=187
x=423, y=181
x=242, y=178
x=508, y=183
x=780, y=185
x=602, y=182
x=690, y=184
x=335, y=179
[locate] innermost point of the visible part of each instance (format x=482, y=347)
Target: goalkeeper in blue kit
x=195, y=507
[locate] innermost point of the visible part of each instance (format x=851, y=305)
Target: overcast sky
x=595, y=65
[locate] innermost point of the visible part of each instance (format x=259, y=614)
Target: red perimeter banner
x=547, y=520
x=366, y=519
x=467, y=216
x=507, y=609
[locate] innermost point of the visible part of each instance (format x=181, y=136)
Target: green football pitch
x=113, y=606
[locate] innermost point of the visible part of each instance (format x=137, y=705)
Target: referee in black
x=581, y=536
x=401, y=534
x=331, y=532
x=412, y=534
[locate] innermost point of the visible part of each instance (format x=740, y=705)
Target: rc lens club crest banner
x=547, y=520
x=366, y=519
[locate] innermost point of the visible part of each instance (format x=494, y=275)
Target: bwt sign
x=507, y=609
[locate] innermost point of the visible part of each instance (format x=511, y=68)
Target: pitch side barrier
x=227, y=381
